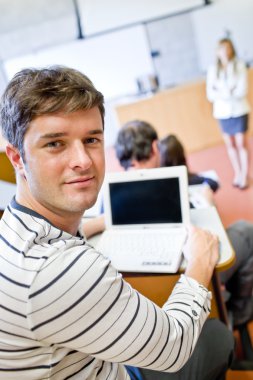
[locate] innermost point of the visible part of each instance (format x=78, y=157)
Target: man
x=137, y=147
x=66, y=312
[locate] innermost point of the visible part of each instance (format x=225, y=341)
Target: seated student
x=173, y=154
x=137, y=147
x=66, y=311
x=168, y=153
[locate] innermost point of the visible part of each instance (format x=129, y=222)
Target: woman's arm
x=241, y=88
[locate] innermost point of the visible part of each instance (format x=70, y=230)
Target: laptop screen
x=146, y=201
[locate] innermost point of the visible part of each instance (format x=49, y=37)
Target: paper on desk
x=209, y=219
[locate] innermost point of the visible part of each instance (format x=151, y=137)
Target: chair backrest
x=7, y=172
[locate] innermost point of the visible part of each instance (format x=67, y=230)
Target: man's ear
x=156, y=153
x=155, y=148
x=15, y=158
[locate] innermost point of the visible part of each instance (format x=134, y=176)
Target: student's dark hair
x=134, y=142
x=37, y=92
x=172, y=151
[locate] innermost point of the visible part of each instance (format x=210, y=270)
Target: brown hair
x=226, y=41
x=36, y=92
x=172, y=151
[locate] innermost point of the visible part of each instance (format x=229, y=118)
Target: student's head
x=171, y=151
x=53, y=119
x=225, y=51
x=137, y=146
x=36, y=92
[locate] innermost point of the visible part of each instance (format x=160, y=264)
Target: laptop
x=146, y=214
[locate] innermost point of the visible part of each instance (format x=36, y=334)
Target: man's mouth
x=80, y=180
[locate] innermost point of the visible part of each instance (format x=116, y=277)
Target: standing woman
x=227, y=86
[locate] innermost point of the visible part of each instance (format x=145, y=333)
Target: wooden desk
x=158, y=287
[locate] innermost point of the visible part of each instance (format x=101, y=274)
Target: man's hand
x=202, y=254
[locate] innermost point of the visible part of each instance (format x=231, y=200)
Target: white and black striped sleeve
x=79, y=301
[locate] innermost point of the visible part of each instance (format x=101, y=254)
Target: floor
x=232, y=203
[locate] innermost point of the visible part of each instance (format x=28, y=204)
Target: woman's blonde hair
x=230, y=43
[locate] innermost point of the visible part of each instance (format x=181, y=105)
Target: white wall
x=113, y=61
x=28, y=25
x=212, y=22
x=99, y=15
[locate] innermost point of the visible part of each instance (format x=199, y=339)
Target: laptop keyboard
x=156, y=247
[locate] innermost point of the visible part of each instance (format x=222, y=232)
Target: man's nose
x=79, y=157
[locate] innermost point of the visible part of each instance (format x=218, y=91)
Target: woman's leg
x=242, y=149
x=234, y=158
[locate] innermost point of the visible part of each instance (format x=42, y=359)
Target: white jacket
x=228, y=91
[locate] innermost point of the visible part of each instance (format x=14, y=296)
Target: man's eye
x=91, y=140
x=54, y=144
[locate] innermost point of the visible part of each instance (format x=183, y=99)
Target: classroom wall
x=122, y=41
x=173, y=40
x=99, y=16
x=224, y=17
x=107, y=60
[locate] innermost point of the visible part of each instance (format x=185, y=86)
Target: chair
x=7, y=174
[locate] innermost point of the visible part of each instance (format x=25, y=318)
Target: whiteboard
x=112, y=61
x=99, y=16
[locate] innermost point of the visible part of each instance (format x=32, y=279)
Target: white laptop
x=146, y=214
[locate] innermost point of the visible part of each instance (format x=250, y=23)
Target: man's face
x=64, y=161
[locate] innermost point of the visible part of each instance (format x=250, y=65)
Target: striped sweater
x=67, y=313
